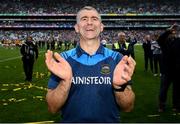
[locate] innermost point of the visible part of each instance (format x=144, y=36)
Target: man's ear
x=102, y=27
x=76, y=28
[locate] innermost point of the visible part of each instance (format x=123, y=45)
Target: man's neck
x=90, y=46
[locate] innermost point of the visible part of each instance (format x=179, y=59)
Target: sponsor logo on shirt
x=91, y=80
x=105, y=69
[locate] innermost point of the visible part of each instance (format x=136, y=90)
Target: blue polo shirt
x=91, y=97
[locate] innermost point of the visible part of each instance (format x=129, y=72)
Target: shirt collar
x=80, y=51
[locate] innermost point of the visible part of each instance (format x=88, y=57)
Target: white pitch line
x=4, y=60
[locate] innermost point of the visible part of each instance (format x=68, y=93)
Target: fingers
x=131, y=62
x=127, y=72
x=124, y=59
x=125, y=75
x=49, y=59
x=128, y=68
x=119, y=77
x=58, y=57
x=131, y=65
x=49, y=56
x=124, y=70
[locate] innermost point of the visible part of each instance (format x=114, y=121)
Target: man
x=156, y=55
x=132, y=41
x=121, y=46
x=90, y=82
x=29, y=52
x=148, y=54
x=170, y=46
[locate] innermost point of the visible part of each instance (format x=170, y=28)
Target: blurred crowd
x=17, y=37
x=70, y=25
x=104, y=7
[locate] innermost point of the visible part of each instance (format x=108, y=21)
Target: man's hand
x=58, y=66
x=174, y=27
x=123, y=71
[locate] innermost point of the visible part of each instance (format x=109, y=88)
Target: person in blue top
x=89, y=83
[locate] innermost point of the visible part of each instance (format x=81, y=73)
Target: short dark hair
x=87, y=8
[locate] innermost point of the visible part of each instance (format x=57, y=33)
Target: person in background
x=170, y=46
x=148, y=55
x=122, y=46
x=132, y=41
x=29, y=52
x=157, y=59
x=89, y=83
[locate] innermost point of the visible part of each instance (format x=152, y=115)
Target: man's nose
x=89, y=21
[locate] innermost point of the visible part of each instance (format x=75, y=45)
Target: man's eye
x=95, y=19
x=84, y=19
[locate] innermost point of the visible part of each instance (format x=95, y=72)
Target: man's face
x=122, y=38
x=148, y=38
x=89, y=25
x=29, y=39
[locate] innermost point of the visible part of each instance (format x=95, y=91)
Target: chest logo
x=105, y=69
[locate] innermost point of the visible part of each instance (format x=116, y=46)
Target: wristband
x=121, y=88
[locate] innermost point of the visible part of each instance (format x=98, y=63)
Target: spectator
x=156, y=56
x=170, y=46
x=148, y=56
x=29, y=53
x=122, y=46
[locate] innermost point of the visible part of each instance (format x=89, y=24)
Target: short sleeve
x=53, y=81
